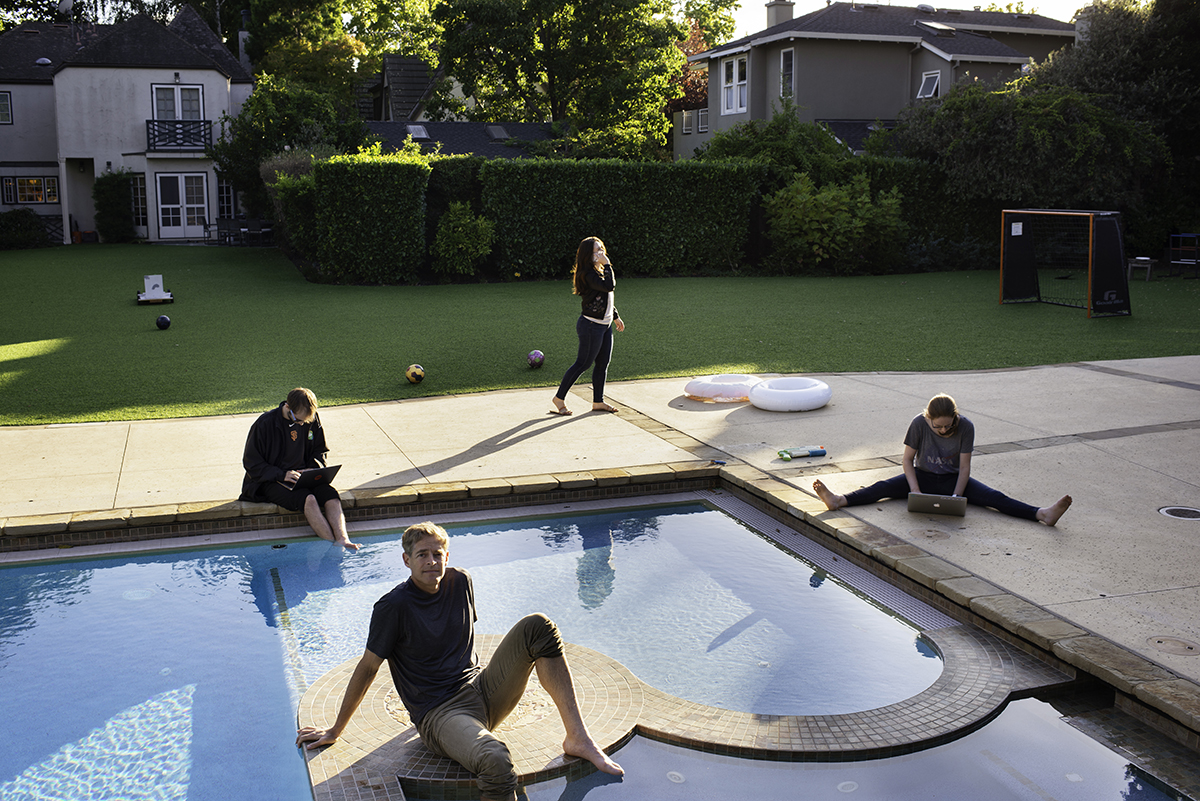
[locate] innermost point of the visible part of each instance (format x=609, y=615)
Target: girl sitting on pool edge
x=937, y=460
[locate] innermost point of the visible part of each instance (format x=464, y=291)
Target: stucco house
x=79, y=100
x=851, y=64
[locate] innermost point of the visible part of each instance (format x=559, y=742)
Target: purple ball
x=536, y=358
x=163, y=322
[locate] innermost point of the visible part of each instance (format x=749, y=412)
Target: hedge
x=655, y=218
x=371, y=217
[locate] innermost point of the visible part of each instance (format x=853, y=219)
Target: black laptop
x=314, y=476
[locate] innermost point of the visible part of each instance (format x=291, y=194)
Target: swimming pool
x=176, y=675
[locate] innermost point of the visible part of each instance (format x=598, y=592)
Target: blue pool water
x=176, y=676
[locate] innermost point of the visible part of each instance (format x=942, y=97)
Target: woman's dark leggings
x=976, y=493
x=595, y=346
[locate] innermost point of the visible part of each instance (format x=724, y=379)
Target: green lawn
x=75, y=346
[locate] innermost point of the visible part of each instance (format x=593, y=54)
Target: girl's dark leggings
x=595, y=347
x=976, y=493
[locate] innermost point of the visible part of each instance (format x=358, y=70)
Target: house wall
x=31, y=135
x=849, y=80
x=27, y=145
x=101, y=123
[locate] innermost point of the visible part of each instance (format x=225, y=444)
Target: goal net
x=1063, y=257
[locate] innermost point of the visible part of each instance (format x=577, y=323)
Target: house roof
x=459, y=138
x=187, y=43
x=410, y=83
x=188, y=25
x=22, y=47
x=853, y=133
x=947, y=32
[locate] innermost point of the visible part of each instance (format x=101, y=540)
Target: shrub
x=295, y=200
x=112, y=194
x=838, y=226
x=463, y=240
x=371, y=217
x=783, y=143
x=21, y=229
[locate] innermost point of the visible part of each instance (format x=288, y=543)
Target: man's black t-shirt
x=428, y=640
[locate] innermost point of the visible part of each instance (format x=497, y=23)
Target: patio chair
x=227, y=231
x=252, y=231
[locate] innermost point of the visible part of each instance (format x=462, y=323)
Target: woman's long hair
x=585, y=259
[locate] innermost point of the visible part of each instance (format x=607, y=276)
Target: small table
x=1140, y=262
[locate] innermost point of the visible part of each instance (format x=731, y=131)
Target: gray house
x=851, y=64
x=79, y=100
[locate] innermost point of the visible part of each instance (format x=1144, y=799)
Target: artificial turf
x=246, y=327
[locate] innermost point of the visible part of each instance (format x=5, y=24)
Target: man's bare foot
x=1050, y=514
x=560, y=407
x=831, y=500
x=591, y=752
x=349, y=546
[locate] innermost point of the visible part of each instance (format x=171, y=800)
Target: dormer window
x=929, y=85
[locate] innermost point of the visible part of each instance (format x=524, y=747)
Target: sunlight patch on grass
x=27, y=350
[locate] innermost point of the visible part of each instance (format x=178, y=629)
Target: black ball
x=163, y=322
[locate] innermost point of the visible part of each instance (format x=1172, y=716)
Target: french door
x=182, y=205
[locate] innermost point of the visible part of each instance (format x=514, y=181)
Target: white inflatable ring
x=790, y=394
x=725, y=388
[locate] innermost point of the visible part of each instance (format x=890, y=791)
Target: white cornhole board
x=154, y=291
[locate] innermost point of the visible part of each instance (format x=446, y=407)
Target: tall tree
x=1139, y=61
x=593, y=65
x=274, y=23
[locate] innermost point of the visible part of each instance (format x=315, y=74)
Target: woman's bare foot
x=1050, y=514
x=560, y=407
x=587, y=749
x=603, y=407
x=831, y=500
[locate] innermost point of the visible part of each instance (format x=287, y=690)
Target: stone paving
x=1109, y=593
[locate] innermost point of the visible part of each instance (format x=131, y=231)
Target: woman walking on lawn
x=593, y=281
x=937, y=460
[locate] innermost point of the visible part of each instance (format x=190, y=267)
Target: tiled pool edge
x=1144, y=690
x=980, y=676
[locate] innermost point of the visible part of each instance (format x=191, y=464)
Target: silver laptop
x=937, y=504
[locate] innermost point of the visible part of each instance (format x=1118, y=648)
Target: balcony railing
x=178, y=135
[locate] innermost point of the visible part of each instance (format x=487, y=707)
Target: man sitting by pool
x=425, y=629
x=281, y=443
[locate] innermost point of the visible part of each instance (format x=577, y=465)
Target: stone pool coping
x=1146, y=691
x=979, y=676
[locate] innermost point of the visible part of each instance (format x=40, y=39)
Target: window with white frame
x=225, y=207
x=178, y=103
x=702, y=120
x=733, y=76
x=5, y=108
x=929, y=85
x=787, y=73
x=31, y=190
x=138, y=191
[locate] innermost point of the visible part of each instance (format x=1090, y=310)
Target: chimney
x=243, y=37
x=779, y=11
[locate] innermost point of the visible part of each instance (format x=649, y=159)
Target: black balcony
x=178, y=135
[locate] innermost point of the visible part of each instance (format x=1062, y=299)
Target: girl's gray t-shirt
x=939, y=454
